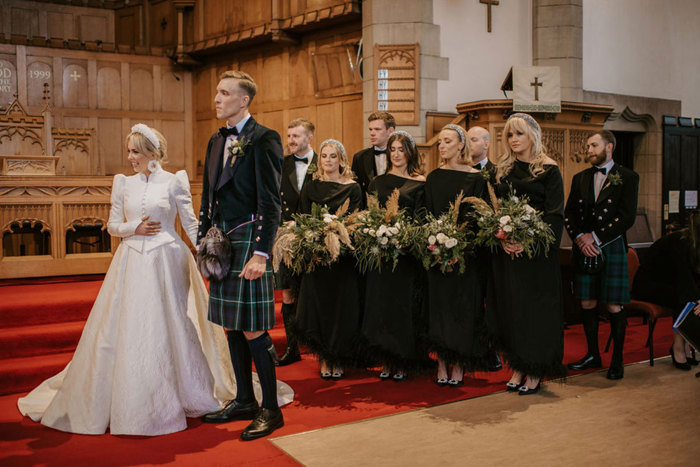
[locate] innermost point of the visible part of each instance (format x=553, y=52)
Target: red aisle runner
x=317, y=404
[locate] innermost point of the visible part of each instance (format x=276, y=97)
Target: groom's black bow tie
x=226, y=132
x=602, y=170
x=379, y=151
x=305, y=160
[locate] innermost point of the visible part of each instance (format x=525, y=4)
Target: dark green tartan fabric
x=236, y=303
x=611, y=286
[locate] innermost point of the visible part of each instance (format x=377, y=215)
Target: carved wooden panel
x=174, y=133
x=173, y=91
x=8, y=82
x=554, y=140
x=397, y=82
x=74, y=147
x=21, y=134
x=110, y=144
x=141, y=89
x=109, y=89
x=39, y=73
x=75, y=85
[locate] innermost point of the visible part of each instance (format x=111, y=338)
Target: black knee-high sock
x=618, y=323
x=589, y=317
x=264, y=356
x=242, y=365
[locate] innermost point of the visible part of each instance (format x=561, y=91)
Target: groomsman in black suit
x=479, y=143
x=241, y=195
x=602, y=206
x=297, y=169
x=370, y=162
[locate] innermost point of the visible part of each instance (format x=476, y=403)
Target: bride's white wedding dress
x=148, y=357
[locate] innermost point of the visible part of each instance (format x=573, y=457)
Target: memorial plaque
x=8, y=83
x=397, y=84
x=38, y=73
x=75, y=86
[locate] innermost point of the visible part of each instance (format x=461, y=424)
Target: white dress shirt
x=302, y=167
x=380, y=161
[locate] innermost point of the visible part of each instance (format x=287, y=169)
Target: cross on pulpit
x=488, y=3
x=75, y=75
x=537, y=85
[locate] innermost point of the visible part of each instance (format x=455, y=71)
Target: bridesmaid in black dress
x=525, y=307
x=456, y=327
x=328, y=316
x=392, y=310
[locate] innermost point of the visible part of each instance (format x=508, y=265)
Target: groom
x=241, y=195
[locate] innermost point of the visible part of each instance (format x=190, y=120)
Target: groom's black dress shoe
x=264, y=423
x=234, y=410
x=589, y=361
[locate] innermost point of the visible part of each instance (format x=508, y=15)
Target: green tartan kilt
x=237, y=303
x=610, y=286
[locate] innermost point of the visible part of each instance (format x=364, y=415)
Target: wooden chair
x=651, y=311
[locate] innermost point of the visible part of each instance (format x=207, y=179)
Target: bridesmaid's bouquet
x=315, y=239
x=511, y=219
x=445, y=242
x=382, y=235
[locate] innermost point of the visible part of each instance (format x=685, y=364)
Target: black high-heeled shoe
x=441, y=381
x=526, y=391
x=456, y=383
x=513, y=387
x=692, y=360
x=685, y=366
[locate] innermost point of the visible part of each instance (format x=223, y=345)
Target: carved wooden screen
x=397, y=83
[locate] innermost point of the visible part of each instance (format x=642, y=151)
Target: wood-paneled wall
x=286, y=91
x=105, y=91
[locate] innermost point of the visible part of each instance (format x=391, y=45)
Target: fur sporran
x=214, y=255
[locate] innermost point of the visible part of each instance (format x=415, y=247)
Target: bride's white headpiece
x=147, y=132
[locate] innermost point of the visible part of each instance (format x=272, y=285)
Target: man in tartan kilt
x=241, y=195
x=602, y=206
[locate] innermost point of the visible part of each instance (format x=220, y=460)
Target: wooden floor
x=651, y=417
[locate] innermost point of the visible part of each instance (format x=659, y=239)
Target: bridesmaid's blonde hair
x=526, y=124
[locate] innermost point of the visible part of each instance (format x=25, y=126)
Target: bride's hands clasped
x=148, y=228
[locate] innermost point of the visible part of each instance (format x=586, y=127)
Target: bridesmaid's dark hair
x=413, y=166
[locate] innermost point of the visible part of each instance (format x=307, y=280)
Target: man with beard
x=370, y=162
x=297, y=169
x=602, y=206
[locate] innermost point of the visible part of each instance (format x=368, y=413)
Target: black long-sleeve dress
x=455, y=302
x=393, y=319
x=328, y=307
x=525, y=309
x=665, y=275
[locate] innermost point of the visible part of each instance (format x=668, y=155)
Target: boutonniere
x=615, y=179
x=237, y=149
x=313, y=168
x=487, y=173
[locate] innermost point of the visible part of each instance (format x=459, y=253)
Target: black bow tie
x=226, y=132
x=305, y=160
x=379, y=151
x=602, y=170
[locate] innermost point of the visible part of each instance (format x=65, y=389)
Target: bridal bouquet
x=446, y=242
x=315, y=239
x=511, y=219
x=382, y=235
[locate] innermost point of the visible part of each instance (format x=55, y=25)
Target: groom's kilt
x=237, y=303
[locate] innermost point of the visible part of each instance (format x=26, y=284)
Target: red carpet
x=317, y=404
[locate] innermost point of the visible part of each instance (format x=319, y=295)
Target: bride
x=148, y=357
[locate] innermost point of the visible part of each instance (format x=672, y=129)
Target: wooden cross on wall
x=488, y=3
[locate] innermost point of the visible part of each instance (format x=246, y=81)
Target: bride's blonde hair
x=523, y=123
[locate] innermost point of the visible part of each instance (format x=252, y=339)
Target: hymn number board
x=397, y=82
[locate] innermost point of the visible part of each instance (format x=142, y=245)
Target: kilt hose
x=236, y=303
x=611, y=285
